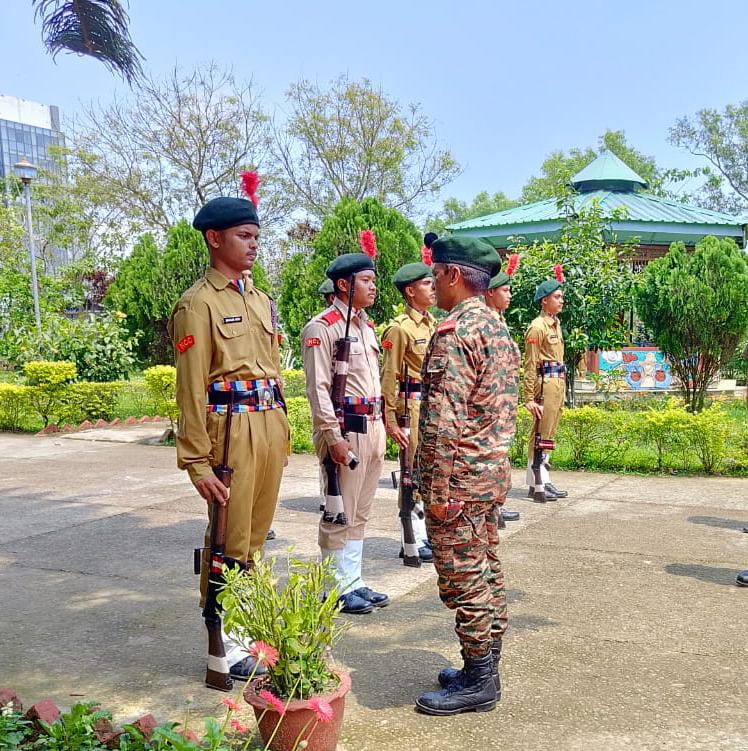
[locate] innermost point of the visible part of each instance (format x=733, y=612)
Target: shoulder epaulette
x=331, y=317
x=446, y=326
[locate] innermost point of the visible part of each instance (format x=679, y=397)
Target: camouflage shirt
x=469, y=406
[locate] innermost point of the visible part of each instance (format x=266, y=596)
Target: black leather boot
x=450, y=675
x=474, y=691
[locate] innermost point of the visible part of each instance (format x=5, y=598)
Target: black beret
x=411, y=272
x=548, y=287
x=326, y=288
x=500, y=280
x=224, y=213
x=467, y=251
x=430, y=238
x=350, y=263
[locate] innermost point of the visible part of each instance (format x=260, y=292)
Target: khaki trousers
x=554, y=391
x=259, y=442
x=357, y=486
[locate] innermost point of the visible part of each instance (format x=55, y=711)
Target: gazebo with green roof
x=655, y=222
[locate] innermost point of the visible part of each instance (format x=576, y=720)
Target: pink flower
x=188, y=735
x=240, y=727
x=322, y=709
x=232, y=704
x=273, y=702
x=264, y=654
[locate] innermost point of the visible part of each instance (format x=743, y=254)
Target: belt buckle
x=264, y=395
x=377, y=411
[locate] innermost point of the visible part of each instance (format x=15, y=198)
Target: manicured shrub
x=90, y=401
x=161, y=383
x=294, y=383
x=14, y=403
x=49, y=382
x=300, y=421
x=706, y=434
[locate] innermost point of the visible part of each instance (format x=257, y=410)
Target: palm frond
x=97, y=28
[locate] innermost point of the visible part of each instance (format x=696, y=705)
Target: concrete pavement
x=626, y=628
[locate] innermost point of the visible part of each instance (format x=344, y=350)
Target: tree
x=454, y=210
x=558, y=168
x=179, y=142
x=696, y=305
x=398, y=242
x=721, y=139
x=352, y=141
x=597, y=287
x=97, y=28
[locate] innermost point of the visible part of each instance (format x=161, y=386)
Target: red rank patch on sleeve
x=280, y=339
x=184, y=344
x=532, y=340
x=387, y=344
x=313, y=341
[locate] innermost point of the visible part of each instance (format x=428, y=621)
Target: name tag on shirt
x=233, y=319
x=420, y=341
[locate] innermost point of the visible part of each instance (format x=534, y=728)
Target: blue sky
x=506, y=83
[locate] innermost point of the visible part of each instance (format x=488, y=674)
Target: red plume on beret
x=513, y=264
x=558, y=272
x=368, y=241
x=426, y=255
x=250, y=183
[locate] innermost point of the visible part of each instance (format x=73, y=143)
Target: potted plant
x=299, y=702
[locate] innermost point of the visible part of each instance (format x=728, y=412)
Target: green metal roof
x=607, y=172
x=613, y=184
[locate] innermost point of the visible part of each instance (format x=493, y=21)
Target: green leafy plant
x=14, y=402
x=161, y=383
x=298, y=619
x=50, y=381
x=15, y=729
x=90, y=401
x=300, y=422
x=74, y=730
x=707, y=433
x=664, y=429
x=294, y=383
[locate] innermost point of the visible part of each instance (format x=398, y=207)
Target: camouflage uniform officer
x=544, y=364
x=404, y=344
x=226, y=339
x=498, y=297
x=345, y=542
x=467, y=422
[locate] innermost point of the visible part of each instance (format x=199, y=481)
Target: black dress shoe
x=241, y=670
x=742, y=579
x=425, y=554
x=270, y=535
x=377, y=599
x=547, y=496
x=354, y=605
x=558, y=493
x=509, y=516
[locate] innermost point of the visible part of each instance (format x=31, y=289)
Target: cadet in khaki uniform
x=404, y=345
x=363, y=398
x=225, y=334
x=544, y=363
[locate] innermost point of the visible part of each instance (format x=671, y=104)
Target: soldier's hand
x=398, y=435
x=212, y=489
x=339, y=452
x=535, y=409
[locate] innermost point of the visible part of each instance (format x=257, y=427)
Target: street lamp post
x=27, y=172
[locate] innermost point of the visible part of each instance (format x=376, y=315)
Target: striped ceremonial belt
x=258, y=395
x=552, y=369
x=371, y=406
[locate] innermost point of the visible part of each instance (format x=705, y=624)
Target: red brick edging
x=86, y=425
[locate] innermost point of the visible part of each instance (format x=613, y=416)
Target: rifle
x=539, y=446
x=332, y=509
x=217, y=673
x=407, y=505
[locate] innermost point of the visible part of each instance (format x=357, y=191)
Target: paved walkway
x=627, y=631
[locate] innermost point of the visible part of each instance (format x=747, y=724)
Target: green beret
x=224, y=213
x=411, y=272
x=326, y=288
x=350, y=263
x=500, y=280
x=467, y=251
x=548, y=287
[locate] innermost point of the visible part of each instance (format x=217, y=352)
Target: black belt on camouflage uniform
x=414, y=389
x=552, y=369
x=371, y=406
x=258, y=395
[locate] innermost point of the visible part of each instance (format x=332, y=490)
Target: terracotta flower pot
x=320, y=736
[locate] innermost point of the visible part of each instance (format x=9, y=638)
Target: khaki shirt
x=404, y=342
x=219, y=335
x=543, y=341
x=317, y=348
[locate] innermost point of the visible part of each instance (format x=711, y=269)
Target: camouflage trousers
x=471, y=582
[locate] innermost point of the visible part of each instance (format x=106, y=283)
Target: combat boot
x=450, y=675
x=474, y=691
